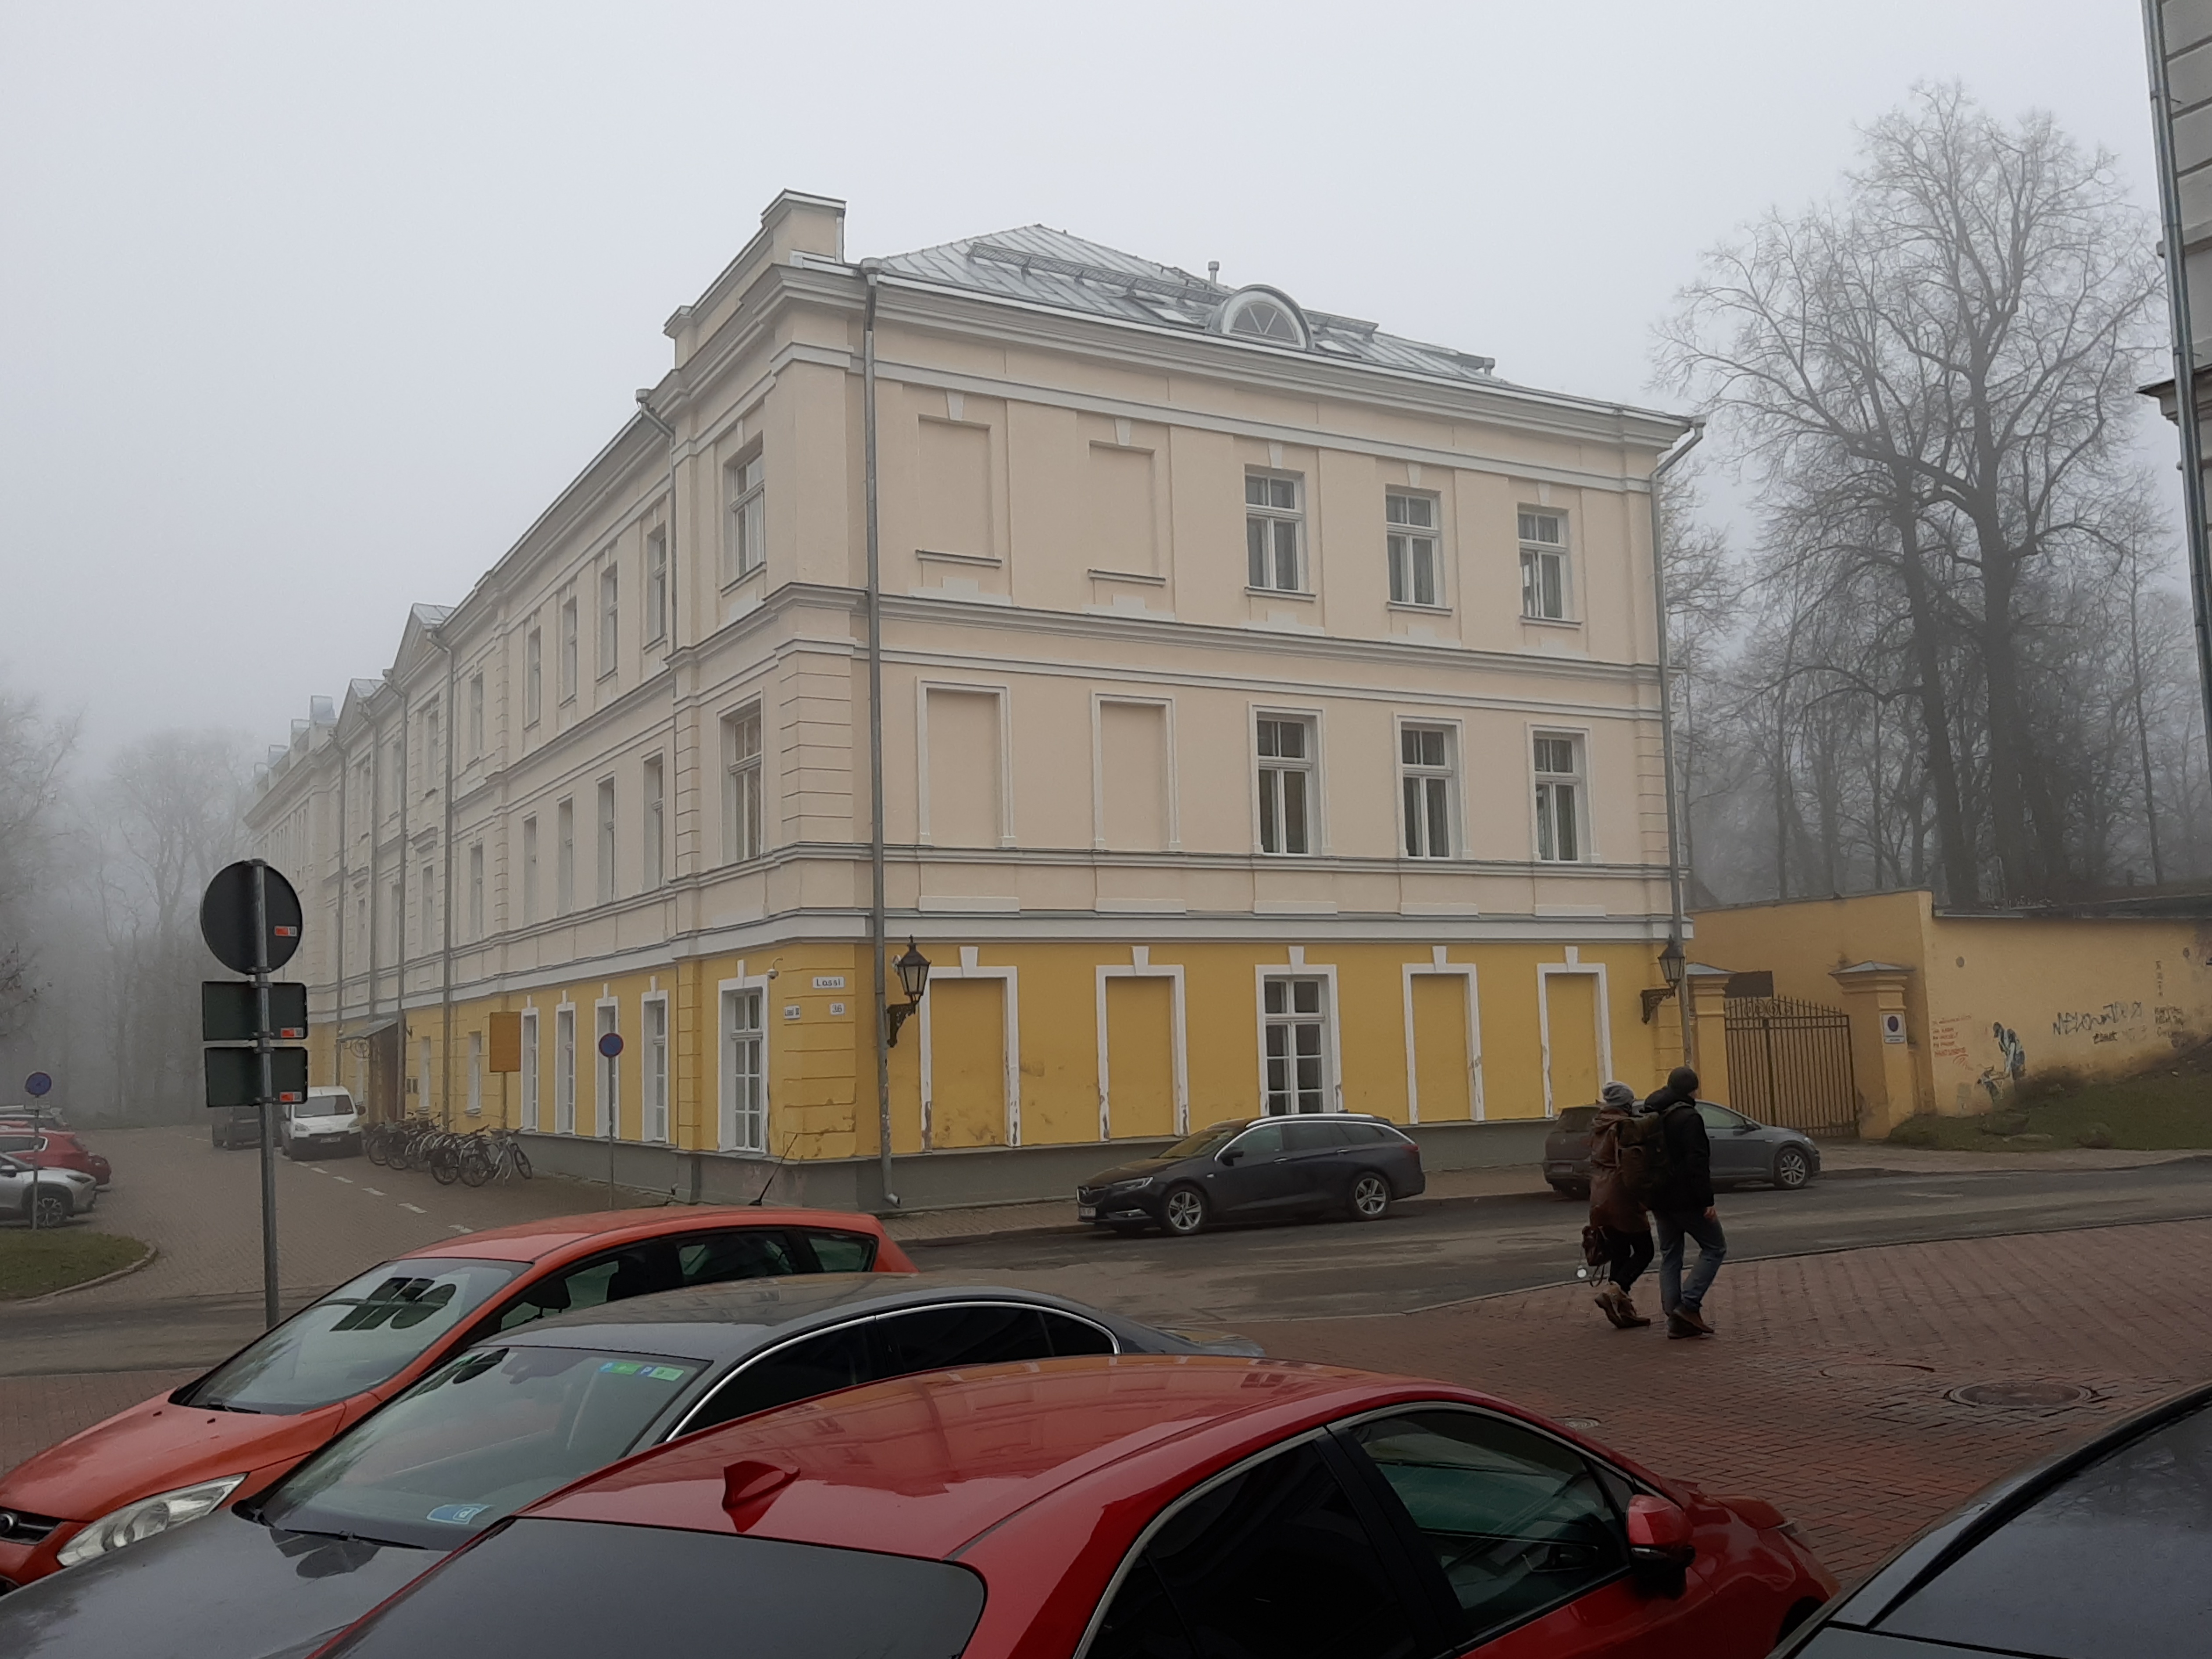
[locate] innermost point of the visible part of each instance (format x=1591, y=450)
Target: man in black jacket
x=1682, y=1206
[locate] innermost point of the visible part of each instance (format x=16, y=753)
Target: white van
x=326, y=1121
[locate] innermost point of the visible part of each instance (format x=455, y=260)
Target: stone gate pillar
x=1881, y=1040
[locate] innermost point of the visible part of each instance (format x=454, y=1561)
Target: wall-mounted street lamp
x=913, y=979
x=1672, y=961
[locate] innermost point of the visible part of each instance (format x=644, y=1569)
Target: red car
x=1126, y=1508
x=53, y=1149
x=290, y=1391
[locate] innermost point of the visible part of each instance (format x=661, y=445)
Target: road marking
x=373, y=1192
x=417, y=1208
x=1934, y=1194
x=312, y=1170
x=347, y=1179
x=455, y=1227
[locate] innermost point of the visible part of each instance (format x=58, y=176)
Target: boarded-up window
x=1571, y=1038
x=1140, y=1056
x=955, y=488
x=965, y=789
x=967, y=1062
x=1133, y=775
x=1442, y=1068
x=1118, y=510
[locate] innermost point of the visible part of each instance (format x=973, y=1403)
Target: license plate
x=1086, y=1212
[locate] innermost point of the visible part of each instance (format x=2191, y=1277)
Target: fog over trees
x=1955, y=651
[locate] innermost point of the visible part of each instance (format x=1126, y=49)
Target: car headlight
x=146, y=1517
x=1137, y=1185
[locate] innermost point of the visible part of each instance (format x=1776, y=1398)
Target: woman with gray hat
x=1618, y=1236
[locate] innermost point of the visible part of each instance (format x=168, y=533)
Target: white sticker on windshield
x=459, y=1514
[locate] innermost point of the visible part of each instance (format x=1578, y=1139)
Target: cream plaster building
x=1270, y=719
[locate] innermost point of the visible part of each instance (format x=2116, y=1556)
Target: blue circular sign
x=37, y=1084
x=610, y=1045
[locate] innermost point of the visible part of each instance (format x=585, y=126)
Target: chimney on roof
x=322, y=711
x=1213, y=270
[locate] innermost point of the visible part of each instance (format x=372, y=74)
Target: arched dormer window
x=1264, y=314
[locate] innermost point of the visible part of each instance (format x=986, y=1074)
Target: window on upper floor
x=434, y=771
x=744, y=518
x=655, y=829
x=741, y=784
x=610, y=620
x=476, y=714
x=656, y=587
x=569, y=649
x=606, y=840
x=1285, y=762
x=1425, y=771
x=1544, y=594
x=1274, y=531
x=530, y=869
x=534, y=676
x=564, y=858
x=427, y=927
x=1559, y=807
x=1410, y=540
x=476, y=891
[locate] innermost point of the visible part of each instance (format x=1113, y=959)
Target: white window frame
x=607, y=1072
x=1401, y=543
x=533, y=1078
x=610, y=651
x=433, y=753
x=653, y=1067
x=999, y=690
x=607, y=805
x=1437, y=966
x=733, y=1124
x=423, y=1076
x=1139, y=966
x=1100, y=701
x=476, y=715
x=1271, y=514
x=564, y=1069
x=745, y=784
x=530, y=869
x=476, y=890
x=1332, y=1045
x=564, y=856
x=425, y=902
x=1447, y=775
x=1545, y=971
x=653, y=825
x=745, y=517
x=569, y=647
x=475, y=1107
x=1535, y=551
x=1541, y=825
x=1010, y=982
x=1309, y=765
x=656, y=585
x=533, y=677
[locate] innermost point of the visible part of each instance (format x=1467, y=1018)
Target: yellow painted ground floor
x=1032, y=1044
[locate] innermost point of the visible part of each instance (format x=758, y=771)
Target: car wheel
x=53, y=1208
x=1370, y=1196
x=1183, y=1211
x=1792, y=1168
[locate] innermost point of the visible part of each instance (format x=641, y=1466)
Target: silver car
x=57, y=1194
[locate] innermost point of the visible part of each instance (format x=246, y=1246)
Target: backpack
x=1646, y=1163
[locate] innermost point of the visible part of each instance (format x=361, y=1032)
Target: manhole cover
x=2021, y=1396
x=1579, y=1422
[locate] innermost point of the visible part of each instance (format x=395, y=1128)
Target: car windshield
x=1203, y=1141
x=476, y=1440
x=361, y=1334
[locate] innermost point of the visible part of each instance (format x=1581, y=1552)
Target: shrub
x=1915, y=1132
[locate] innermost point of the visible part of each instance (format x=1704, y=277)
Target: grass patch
x=33, y=1263
x=2165, y=1109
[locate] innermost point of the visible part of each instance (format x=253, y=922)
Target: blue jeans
x=1712, y=1250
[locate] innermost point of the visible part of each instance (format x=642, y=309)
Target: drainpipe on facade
x=1678, y=921
x=871, y=271
x=668, y=769
x=399, y=916
x=338, y=1014
x=446, y=719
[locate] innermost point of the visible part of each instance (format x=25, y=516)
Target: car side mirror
x=1229, y=1155
x=1744, y=1129
x=1659, y=1544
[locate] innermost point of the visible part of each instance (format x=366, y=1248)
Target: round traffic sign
x=37, y=1084
x=611, y=1044
x=227, y=916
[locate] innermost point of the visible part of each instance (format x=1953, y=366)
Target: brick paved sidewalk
x=1827, y=1391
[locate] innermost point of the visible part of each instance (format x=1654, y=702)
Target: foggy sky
x=306, y=310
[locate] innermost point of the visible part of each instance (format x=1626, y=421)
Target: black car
x=1744, y=1150
x=240, y=1126
x=2105, y=1552
x=507, y=1421
x=1259, y=1169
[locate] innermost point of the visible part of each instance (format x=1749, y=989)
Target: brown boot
x=1696, y=1317
x=1678, y=1327
x=1611, y=1302
x=1630, y=1318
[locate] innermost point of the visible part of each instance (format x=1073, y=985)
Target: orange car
x=290, y=1391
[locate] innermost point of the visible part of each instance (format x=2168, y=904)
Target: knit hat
x=1619, y=1094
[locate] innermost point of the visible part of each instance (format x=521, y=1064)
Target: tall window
x=530, y=869
x=1424, y=756
x=1274, y=531
x=606, y=840
x=1410, y=535
x=564, y=858
x=568, y=648
x=741, y=784
x=433, y=769
x=745, y=519
x=476, y=891
x=396, y=903
x=656, y=587
x=652, y=840
x=654, y=1066
x=475, y=1075
x=1559, y=798
x=564, y=1071
x=476, y=715
x=607, y=1074
x=1544, y=565
x=1292, y=1012
x=1285, y=762
x=534, y=676
x=427, y=897
x=532, y=1107
x=745, y=1078
x=422, y=1075
x=610, y=620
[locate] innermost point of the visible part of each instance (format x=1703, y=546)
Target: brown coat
x=1610, y=1205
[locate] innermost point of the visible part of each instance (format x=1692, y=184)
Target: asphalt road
x=1428, y=1255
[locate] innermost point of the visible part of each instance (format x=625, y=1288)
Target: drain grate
x=2021, y=1396
x=1578, y=1423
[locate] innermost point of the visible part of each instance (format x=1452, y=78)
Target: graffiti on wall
x=2011, y=1065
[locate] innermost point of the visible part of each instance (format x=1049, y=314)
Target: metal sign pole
x=265, y=1056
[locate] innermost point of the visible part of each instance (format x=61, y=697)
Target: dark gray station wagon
x=1262, y=1169
x=1744, y=1150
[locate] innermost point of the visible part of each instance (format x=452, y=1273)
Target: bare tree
x=34, y=752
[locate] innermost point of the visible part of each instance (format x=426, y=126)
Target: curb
x=71, y=1290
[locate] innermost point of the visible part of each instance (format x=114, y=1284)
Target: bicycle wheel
x=445, y=1162
x=476, y=1164
x=521, y=1161
x=374, y=1147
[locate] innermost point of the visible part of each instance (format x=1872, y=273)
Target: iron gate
x=1790, y=1063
